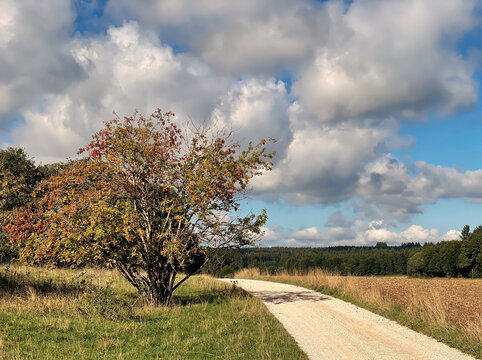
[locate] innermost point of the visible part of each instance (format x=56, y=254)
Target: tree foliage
x=444, y=259
x=345, y=260
x=450, y=258
x=147, y=199
x=465, y=233
x=470, y=257
x=18, y=178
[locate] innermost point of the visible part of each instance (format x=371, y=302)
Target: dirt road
x=327, y=328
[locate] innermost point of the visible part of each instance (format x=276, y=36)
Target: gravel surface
x=328, y=328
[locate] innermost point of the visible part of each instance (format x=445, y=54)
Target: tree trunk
x=160, y=287
x=158, y=284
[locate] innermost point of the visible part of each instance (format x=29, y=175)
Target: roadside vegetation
x=97, y=314
x=449, y=310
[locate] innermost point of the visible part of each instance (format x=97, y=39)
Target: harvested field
x=329, y=328
x=459, y=300
x=454, y=300
x=448, y=309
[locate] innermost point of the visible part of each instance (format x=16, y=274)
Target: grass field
x=65, y=314
x=449, y=310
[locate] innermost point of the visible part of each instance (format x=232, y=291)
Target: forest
x=456, y=258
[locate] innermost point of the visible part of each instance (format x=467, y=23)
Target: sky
x=376, y=104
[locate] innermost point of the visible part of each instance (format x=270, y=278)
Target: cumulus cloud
x=128, y=69
x=322, y=164
x=311, y=233
x=34, y=54
x=377, y=63
x=124, y=70
x=352, y=72
x=268, y=234
x=243, y=37
x=255, y=109
x=366, y=234
x=387, y=186
x=452, y=235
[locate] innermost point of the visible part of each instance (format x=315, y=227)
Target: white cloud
x=387, y=58
x=452, y=235
x=311, y=233
x=125, y=70
x=34, y=57
x=268, y=234
x=417, y=233
x=295, y=243
x=356, y=70
x=386, y=186
x=261, y=44
x=322, y=164
x=244, y=37
x=364, y=234
x=255, y=109
x=49, y=133
x=8, y=13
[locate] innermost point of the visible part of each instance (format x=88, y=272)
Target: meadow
x=450, y=310
x=96, y=314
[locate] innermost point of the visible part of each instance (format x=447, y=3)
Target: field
x=449, y=310
x=95, y=314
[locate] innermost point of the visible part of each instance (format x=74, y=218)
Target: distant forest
x=456, y=258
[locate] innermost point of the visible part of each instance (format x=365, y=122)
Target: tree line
x=456, y=258
x=450, y=258
x=19, y=176
x=345, y=260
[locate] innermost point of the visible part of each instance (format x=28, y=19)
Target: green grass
x=53, y=315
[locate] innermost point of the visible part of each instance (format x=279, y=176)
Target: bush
x=104, y=302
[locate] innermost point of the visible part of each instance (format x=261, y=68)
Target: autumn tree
x=148, y=199
x=18, y=178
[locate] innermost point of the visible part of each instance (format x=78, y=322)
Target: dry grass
x=96, y=314
x=45, y=291
x=437, y=304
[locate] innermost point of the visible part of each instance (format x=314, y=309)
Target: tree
x=416, y=264
x=469, y=259
x=18, y=178
x=146, y=199
x=465, y=232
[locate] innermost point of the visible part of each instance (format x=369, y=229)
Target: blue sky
x=376, y=104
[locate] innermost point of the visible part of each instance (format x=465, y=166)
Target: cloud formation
x=387, y=185
x=124, y=70
x=378, y=64
x=34, y=53
x=332, y=81
x=363, y=234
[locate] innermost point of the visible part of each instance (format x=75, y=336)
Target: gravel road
x=327, y=328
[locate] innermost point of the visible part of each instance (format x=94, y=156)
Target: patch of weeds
x=106, y=303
